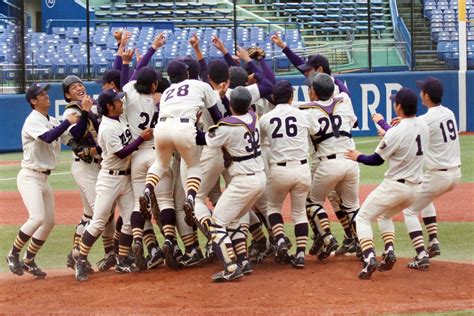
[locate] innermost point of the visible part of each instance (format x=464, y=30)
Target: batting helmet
x=68, y=81
x=323, y=85
x=240, y=100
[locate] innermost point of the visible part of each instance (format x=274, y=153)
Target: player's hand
x=92, y=151
x=278, y=41
x=127, y=56
x=72, y=118
x=352, y=154
x=222, y=88
x=377, y=117
x=219, y=44
x=159, y=41
x=87, y=103
x=156, y=97
x=395, y=121
x=251, y=79
x=138, y=55
x=147, y=134
x=118, y=36
x=381, y=132
x=194, y=41
x=243, y=54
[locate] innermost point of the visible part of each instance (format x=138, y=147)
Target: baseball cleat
x=81, y=271
x=32, y=268
x=282, y=251
x=188, y=208
x=257, y=251
x=169, y=252
x=127, y=265
x=156, y=260
x=140, y=261
x=434, y=250
x=419, y=264
x=73, y=257
x=226, y=275
x=189, y=260
x=106, y=263
x=329, y=248
x=317, y=246
x=147, y=201
x=348, y=246
x=369, y=267
x=388, y=261
x=246, y=267
x=298, y=262
x=14, y=264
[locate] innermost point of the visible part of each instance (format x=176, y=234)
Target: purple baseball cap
x=406, y=97
x=112, y=75
x=109, y=96
x=314, y=61
x=35, y=89
x=431, y=86
x=176, y=68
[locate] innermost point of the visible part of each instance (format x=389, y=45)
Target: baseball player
x=113, y=183
x=176, y=130
x=404, y=147
x=41, y=135
x=287, y=130
x=336, y=118
x=239, y=136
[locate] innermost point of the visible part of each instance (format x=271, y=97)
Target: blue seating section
x=53, y=56
x=443, y=16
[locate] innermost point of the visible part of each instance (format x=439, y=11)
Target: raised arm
x=294, y=59
x=220, y=46
x=158, y=42
x=194, y=41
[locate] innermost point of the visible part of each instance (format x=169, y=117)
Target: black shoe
x=419, y=264
x=329, y=248
x=369, y=267
x=127, y=265
x=388, y=261
x=434, y=250
x=137, y=250
x=317, y=246
x=31, y=267
x=246, y=267
x=155, y=261
x=188, y=208
x=81, y=271
x=189, y=260
x=71, y=263
x=147, y=202
x=106, y=263
x=281, y=253
x=349, y=245
x=73, y=257
x=226, y=275
x=169, y=252
x=298, y=262
x=14, y=264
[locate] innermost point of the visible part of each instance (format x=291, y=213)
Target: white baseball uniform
x=442, y=162
x=404, y=147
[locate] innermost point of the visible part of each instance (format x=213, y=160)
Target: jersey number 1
x=418, y=143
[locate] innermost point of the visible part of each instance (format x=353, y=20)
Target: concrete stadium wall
x=369, y=93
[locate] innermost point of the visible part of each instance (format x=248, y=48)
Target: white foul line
x=53, y=174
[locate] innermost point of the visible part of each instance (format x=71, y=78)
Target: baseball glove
x=81, y=150
x=256, y=53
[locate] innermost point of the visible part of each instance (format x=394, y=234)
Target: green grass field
x=455, y=237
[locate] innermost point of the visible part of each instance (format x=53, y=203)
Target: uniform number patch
x=144, y=124
x=290, y=127
x=181, y=91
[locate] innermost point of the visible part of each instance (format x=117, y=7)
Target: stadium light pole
x=88, y=24
x=369, y=34
x=412, y=26
x=235, y=26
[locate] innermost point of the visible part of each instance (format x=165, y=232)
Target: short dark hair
x=163, y=84
x=142, y=88
x=323, y=85
x=194, y=69
x=282, y=92
x=240, y=99
x=218, y=71
x=145, y=78
x=408, y=101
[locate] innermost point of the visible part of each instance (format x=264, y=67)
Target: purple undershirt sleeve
x=201, y=138
x=342, y=86
x=229, y=60
x=215, y=113
x=130, y=148
x=294, y=59
x=267, y=71
x=79, y=130
x=264, y=86
x=384, y=125
x=53, y=134
x=143, y=62
x=204, y=72
x=124, y=75
x=371, y=160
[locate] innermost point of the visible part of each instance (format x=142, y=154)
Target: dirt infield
x=271, y=289
x=455, y=206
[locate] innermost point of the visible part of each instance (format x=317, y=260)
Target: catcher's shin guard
x=222, y=244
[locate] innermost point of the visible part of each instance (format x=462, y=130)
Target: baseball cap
x=176, y=68
x=431, y=86
x=282, y=91
x=405, y=97
x=35, y=89
x=109, y=96
x=110, y=76
x=238, y=77
x=146, y=76
x=194, y=68
x=314, y=61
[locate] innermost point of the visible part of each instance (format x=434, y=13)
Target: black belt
x=119, y=172
x=243, y=158
x=333, y=156
x=401, y=180
x=94, y=160
x=183, y=120
x=283, y=164
x=46, y=172
x=250, y=174
x=446, y=169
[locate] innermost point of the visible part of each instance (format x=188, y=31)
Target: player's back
x=404, y=146
x=113, y=135
x=443, y=150
x=140, y=112
x=286, y=129
x=186, y=98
